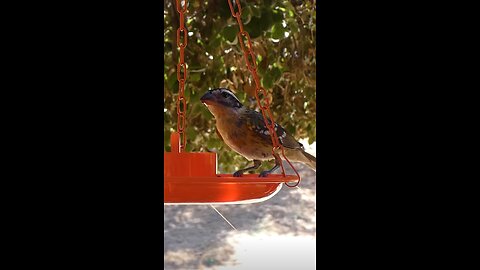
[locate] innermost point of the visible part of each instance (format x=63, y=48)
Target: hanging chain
x=260, y=92
x=181, y=74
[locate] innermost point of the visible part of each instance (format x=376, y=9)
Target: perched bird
x=244, y=131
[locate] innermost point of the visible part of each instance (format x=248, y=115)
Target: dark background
x=90, y=185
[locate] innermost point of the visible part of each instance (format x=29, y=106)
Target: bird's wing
x=256, y=123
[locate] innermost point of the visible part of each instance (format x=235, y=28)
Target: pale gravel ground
x=276, y=234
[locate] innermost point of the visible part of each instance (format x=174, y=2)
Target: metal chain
x=260, y=92
x=181, y=74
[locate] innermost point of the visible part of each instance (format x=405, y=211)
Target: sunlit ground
x=271, y=251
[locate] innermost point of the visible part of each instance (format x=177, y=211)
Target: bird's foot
x=264, y=174
x=238, y=174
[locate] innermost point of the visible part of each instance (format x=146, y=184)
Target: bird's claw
x=264, y=174
x=237, y=174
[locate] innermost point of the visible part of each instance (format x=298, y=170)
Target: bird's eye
x=225, y=94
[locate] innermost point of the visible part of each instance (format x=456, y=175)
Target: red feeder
x=191, y=178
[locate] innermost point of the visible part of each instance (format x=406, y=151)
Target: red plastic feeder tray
x=191, y=178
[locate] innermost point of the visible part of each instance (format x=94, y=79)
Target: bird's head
x=220, y=99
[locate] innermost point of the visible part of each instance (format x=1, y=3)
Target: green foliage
x=283, y=37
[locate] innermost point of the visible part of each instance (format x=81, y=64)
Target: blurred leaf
x=267, y=18
x=275, y=73
x=290, y=129
x=262, y=66
x=212, y=142
x=191, y=134
x=196, y=108
x=166, y=141
x=172, y=83
x=194, y=77
x=292, y=24
x=241, y=96
x=230, y=33
x=168, y=46
x=278, y=32
x=214, y=43
x=277, y=16
x=255, y=27
x=206, y=114
x=311, y=140
x=189, y=147
x=224, y=10
x=256, y=11
x=267, y=80
x=246, y=14
x=194, y=65
x=187, y=93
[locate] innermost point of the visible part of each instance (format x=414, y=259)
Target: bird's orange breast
x=242, y=139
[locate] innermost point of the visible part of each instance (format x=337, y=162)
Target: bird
x=245, y=132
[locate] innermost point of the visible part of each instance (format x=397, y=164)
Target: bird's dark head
x=221, y=97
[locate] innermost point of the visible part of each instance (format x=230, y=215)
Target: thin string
x=223, y=217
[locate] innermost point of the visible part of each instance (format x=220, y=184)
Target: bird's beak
x=208, y=98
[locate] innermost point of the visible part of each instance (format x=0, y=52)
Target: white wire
x=223, y=217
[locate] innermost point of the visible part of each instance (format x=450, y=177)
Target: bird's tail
x=300, y=155
x=311, y=160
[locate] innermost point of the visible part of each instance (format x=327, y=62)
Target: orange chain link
x=181, y=66
x=260, y=92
